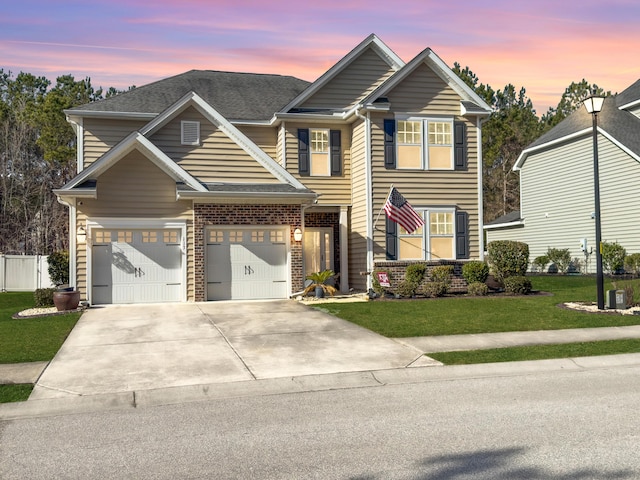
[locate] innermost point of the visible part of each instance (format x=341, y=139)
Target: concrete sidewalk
x=30, y=372
x=484, y=341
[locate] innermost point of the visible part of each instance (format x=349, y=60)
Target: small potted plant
x=319, y=283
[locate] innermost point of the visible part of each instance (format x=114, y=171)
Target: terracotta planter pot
x=64, y=300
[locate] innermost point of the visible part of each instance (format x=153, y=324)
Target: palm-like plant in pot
x=319, y=283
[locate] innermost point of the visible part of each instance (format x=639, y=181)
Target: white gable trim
x=629, y=105
x=440, y=68
x=135, y=141
x=228, y=129
x=587, y=131
x=517, y=223
x=388, y=55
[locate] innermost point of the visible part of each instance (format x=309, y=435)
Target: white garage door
x=136, y=266
x=245, y=264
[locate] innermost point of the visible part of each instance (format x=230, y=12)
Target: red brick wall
x=208, y=214
x=398, y=268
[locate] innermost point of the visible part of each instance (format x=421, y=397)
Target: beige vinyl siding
x=101, y=134
x=217, y=159
x=333, y=190
x=356, y=81
x=264, y=137
x=426, y=188
x=424, y=92
x=358, y=227
x=136, y=188
x=557, y=198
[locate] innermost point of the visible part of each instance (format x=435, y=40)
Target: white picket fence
x=24, y=273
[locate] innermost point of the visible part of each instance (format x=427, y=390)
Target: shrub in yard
x=517, y=285
x=632, y=263
x=59, y=267
x=508, y=258
x=435, y=289
x=539, y=263
x=575, y=265
x=478, y=289
x=560, y=257
x=613, y=257
x=43, y=297
x=415, y=273
x=475, y=272
x=407, y=288
x=442, y=273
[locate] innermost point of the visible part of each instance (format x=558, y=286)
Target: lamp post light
x=593, y=104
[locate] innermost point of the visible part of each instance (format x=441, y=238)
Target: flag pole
x=382, y=208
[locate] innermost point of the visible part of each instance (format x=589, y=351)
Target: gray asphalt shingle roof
x=237, y=96
x=508, y=218
x=622, y=125
x=630, y=94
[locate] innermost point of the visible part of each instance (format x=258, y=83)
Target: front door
x=318, y=250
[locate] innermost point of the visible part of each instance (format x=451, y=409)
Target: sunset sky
x=541, y=45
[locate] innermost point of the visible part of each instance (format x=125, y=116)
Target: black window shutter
x=389, y=144
x=392, y=239
x=460, y=145
x=462, y=235
x=303, y=152
x=336, y=152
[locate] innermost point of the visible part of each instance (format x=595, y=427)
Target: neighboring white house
x=557, y=184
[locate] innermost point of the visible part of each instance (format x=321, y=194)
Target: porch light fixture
x=297, y=235
x=593, y=104
x=81, y=235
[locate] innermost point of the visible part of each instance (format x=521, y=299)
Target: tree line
x=38, y=150
x=510, y=128
x=37, y=155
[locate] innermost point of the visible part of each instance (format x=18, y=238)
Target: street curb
x=303, y=384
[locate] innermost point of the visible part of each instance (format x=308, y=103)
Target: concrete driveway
x=124, y=348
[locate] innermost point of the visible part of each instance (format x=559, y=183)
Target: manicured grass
x=465, y=315
x=30, y=339
x=539, y=352
x=15, y=393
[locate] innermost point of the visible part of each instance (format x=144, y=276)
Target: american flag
x=400, y=211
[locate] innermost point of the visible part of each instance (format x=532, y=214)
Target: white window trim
x=426, y=233
x=312, y=153
x=424, y=147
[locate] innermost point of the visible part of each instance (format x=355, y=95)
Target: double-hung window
x=433, y=241
x=320, y=165
x=319, y=152
x=425, y=144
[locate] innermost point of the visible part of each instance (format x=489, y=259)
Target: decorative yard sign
x=383, y=279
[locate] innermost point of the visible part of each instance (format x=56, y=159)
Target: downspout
x=72, y=242
x=480, y=120
x=369, y=193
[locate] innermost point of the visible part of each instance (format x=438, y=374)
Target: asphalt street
x=533, y=425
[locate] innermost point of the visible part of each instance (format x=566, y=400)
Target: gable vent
x=190, y=133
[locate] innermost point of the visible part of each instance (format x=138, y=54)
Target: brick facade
x=211, y=214
x=397, y=270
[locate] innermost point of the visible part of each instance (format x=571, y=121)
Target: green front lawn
x=539, y=352
x=15, y=393
x=30, y=339
x=465, y=315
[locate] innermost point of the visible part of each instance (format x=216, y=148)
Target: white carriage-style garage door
x=136, y=266
x=246, y=263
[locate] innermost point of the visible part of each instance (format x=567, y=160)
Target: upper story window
x=319, y=152
x=190, y=133
x=425, y=144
